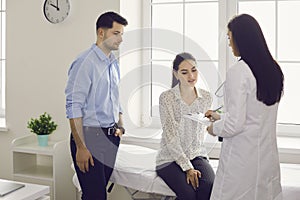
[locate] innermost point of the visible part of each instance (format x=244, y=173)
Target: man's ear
x=100, y=32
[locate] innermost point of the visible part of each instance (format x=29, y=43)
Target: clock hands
x=55, y=6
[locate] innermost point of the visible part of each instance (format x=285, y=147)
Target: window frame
x=2, y=64
x=283, y=129
x=226, y=11
x=186, y=41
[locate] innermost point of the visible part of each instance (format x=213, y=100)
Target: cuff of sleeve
x=218, y=127
x=75, y=113
x=186, y=166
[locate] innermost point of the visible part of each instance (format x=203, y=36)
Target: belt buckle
x=111, y=131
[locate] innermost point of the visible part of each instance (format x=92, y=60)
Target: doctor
x=249, y=163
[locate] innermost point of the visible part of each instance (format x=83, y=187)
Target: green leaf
x=42, y=125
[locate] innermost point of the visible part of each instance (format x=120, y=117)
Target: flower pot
x=43, y=140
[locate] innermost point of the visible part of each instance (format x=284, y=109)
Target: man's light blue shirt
x=92, y=89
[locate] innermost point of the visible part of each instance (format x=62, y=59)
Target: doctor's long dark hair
x=251, y=44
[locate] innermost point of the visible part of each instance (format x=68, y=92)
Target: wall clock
x=56, y=11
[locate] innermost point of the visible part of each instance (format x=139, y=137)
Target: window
x=278, y=20
x=2, y=61
x=199, y=27
x=195, y=30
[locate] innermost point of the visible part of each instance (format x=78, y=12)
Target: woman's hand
x=192, y=176
x=212, y=116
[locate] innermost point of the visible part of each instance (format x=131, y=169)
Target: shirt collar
x=101, y=54
x=176, y=90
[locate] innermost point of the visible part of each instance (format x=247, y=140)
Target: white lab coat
x=249, y=164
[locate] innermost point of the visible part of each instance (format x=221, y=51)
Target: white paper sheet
x=198, y=117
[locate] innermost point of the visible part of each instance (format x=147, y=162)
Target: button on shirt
x=92, y=89
x=182, y=138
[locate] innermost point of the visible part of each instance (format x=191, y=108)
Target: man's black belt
x=106, y=130
x=110, y=130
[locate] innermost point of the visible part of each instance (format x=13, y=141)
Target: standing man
x=93, y=108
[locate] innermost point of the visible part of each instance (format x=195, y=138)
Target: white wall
x=130, y=61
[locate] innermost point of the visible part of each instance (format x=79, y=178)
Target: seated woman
x=182, y=159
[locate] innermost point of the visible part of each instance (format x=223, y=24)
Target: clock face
x=56, y=11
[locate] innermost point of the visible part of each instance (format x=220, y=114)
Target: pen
x=217, y=109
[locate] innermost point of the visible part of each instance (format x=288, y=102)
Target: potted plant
x=42, y=127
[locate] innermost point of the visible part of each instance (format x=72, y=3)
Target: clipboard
x=198, y=117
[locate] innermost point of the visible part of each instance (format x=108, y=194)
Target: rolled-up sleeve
x=77, y=89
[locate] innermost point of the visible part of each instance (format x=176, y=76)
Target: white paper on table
x=198, y=117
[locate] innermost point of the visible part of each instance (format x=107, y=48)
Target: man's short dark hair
x=106, y=20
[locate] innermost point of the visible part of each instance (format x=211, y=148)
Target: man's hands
x=118, y=132
x=192, y=176
x=84, y=158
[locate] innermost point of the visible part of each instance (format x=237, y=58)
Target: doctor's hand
x=212, y=116
x=83, y=159
x=192, y=176
x=210, y=129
